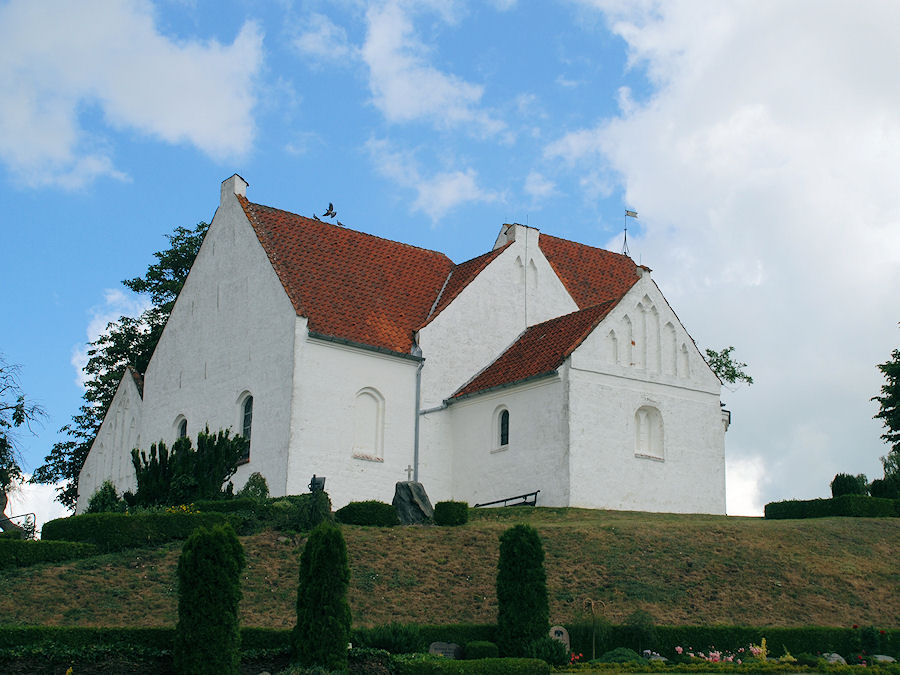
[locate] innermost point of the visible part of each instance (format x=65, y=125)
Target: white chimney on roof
x=235, y=185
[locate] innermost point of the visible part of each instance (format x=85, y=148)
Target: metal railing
x=528, y=499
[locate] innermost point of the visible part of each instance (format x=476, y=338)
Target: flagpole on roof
x=628, y=214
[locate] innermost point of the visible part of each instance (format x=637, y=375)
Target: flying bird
x=330, y=213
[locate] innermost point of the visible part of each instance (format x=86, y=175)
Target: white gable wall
x=230, y=333
x=110, y=454
x=352, y=421
x=639, y=360
x=536, y=457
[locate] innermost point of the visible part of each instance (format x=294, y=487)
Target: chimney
x=233, y=186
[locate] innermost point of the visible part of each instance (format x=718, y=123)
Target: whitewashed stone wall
x=640, y=358
x=110, y=454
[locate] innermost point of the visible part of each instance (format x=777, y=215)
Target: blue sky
x=759, y=142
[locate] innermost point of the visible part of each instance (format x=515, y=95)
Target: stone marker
x=883, y=658
x=834, y=658
x=561, y=634
x=412, y=504
x=450, y=650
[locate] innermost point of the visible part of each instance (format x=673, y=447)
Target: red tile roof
x=460, y=277
x=540, y=350
x=590, y=275
x=349, y=284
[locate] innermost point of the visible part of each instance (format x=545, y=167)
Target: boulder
x=883, y=658
x=412, y=503
x=834, y=658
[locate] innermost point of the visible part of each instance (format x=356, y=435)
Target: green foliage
x=323, y=614
x=185, y=475
x=642, y=630
x=845, y=484
x=622, y=655
x=523, y=608
x=298, y=513
x=845, y=505
x=885, y=488
x=208, y=638
x=549, y=650
x=460, y=633
x=128, y=342
x=256, y=488
x=370, y=512
x=727, y=368
x=451, y=513
x=889, y=413
x=396, y=638
x=16, y=411
x=25, y=552
x=481, y=649
x=118, y=531
x=425, y=664
x=106, y=500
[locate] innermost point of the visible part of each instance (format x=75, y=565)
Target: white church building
x=543, y=364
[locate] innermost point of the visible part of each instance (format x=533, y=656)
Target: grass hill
x=683, y=569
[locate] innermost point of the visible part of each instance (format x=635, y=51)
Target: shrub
x=549, y=651
x=425, y=664
x=396, y=638
x=642, y=630
x=845, y=484
x=298, y=513
x=885, y=488
x=523, y=609
x=256, y=488
x=208, y=638
x=481, y=649
x=622, y=655
x=25, y=552
x=845, y=505
x=323, y=615
x=451, y=513
x=368, y=513
x=106, y=500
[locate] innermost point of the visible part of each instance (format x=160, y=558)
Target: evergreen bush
x=885, y=488
x=481, y=649
x=642, y=630
x=207, y=637
x=523, y=608
x=369, y=512
x=845, y=505
x=845, y=484
x=451, y=513
x=622, y=655
x=298, y=513
x=256, y=488
x=396, y=638
x=25, y=552
x=323, y=614
x=550, y=651
x=106, y=500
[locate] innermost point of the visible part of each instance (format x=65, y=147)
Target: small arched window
x=504, y=428
x=648, y=433
x=246, y=422
x=182, y=428
x=368, y=425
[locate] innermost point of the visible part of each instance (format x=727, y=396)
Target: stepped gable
x=591, y=275
x=540, y=350
x=461, y=276
x=347, y=283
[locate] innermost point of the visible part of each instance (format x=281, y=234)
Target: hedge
x=431, y=665
x=845, y=505
x=451, y=513
x=25, y=552
x=118, y=531
x=370, y=512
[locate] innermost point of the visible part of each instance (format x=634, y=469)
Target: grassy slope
x=683, y=569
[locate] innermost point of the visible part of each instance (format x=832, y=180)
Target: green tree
x=16, y=411
x=889, y=414
x=523, y=609
x=323, y=615
x=208, y=637
x=130, y=341
x=726, y=367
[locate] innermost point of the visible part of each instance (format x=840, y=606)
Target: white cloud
x=437, y=194
x=62, y=61
x=323, y=40
x=37, y=499
x=743, y=477
x=763, y=165
x=539, y=187
x=406, y=87
x=116, y=303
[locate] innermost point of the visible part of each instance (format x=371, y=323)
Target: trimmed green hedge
x=433, y=665
x=451, y=513
x=25, y=552
x=845, y=505
x=370, y=512
x=118, y=531
x=226, y=505
x=481, y=649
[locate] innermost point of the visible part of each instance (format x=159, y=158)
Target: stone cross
x=409, y=472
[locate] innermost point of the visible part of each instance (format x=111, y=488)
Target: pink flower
x=678, y=650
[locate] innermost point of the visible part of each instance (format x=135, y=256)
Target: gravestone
x=450, y=650
x=561, y=634
x=412, y=503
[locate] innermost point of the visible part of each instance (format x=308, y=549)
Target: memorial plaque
x=451, y=650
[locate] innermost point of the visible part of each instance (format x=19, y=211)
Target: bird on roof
x=330, y=213
x=340, y=224
x=317, y=217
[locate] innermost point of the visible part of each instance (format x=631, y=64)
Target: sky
x=759, y=142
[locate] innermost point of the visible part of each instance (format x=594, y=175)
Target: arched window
x=504, y=428
x=648, y=433
x=181, y=427
x=247, y=423
x=368, y=425
x=500, y=431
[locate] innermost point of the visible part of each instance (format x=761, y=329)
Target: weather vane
x=628, y=214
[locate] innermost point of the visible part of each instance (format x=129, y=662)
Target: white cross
x=409, y=472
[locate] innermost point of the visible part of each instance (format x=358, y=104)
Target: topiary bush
x=256, y=488
x=548, y=650
x=451, y=513
x=323, y=614
x=622, y=655
x=370, y=512
x=207, y=637
x=845, y=484
x=106, y=500
x=396, y=638
x=523, y=609
x=481, y=649
x=24, y=552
